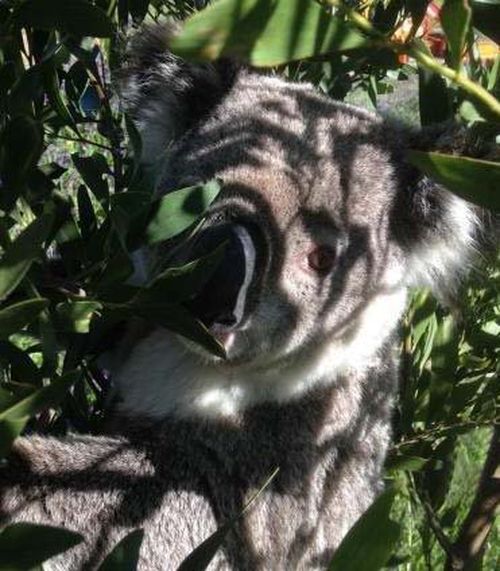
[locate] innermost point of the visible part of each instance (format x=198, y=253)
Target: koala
x=326, y=226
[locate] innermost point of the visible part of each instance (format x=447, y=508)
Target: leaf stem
x=426, y=60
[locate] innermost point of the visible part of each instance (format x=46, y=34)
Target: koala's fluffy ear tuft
x=164, y=94
x=439, y=231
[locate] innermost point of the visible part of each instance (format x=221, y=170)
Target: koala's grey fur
x=311, y=373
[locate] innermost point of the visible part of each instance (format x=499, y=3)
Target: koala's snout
x=222, y=301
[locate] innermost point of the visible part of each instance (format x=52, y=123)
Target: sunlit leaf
x=264, y=32
x=76, y=316
x=178, y=210
x=473, y=179
x=455, y=19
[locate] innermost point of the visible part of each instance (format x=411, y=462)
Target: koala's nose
x=223, y=298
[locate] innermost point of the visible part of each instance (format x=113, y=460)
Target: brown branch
x=467, y=551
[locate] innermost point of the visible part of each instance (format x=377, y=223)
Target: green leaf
x=264, y=32
x=72, y=16
x=398, y=462
x=25, y=545
x=41, y=399
x=455, y=18
x=87, y=220
x=125, y=554
x=92, y=170
x=472, y=179
x=371, y=541
x=433, y=98
x=14, y=317
x=22, y=367
x=200, y=558
x=138, y=9
x=10, y=429
x=75, y=316
x=126, y=209
x=485, y=17
x=178, y=210
x=21, y=145
x=178, y=319
x=184, y=282
x=19, y=256
x=53, y=91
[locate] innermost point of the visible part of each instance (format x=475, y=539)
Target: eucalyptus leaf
x=178, y=210
x=125, y=554
x=433, y=97
x=179, y=320
x=41, y=399
x=72, y=16
x=14, y=317
x=265, y=33
x=23, y=369
x=473, y=179
x=200, y=558
x=76, y=316
x=25, y=545
x=19, y=256
x=455, y=18
x=10, y=429
x=22, y=143
x=180, y=283
x=371, y=541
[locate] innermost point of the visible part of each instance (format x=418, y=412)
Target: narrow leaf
x=178, y=319
x=265, y=33
x=371, y=541
x=21, y=143
x=25, y=545
x=200, y=558
x=181, y=283
x=455, y=19
x=473, y=179
x=19, y=256
x=14, y=317
x=125, y=554
x=433, y=98
x=72, y=16
x=10, y=429
x=178, y=210
x=41, y=399
x=76, y=316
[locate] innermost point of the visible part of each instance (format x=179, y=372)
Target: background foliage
x=74, y=205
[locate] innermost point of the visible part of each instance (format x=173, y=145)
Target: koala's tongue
x=222, y=299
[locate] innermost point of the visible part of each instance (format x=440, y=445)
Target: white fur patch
x=163, y=378
x=444, y=259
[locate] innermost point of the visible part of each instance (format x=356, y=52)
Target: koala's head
x=325, y=221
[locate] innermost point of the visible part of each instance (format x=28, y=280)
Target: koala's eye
x=321, y=259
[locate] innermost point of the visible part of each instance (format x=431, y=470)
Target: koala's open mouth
x=222, y=302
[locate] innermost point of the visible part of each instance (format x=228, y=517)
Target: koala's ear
x=439, y=231
x=164, y=94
